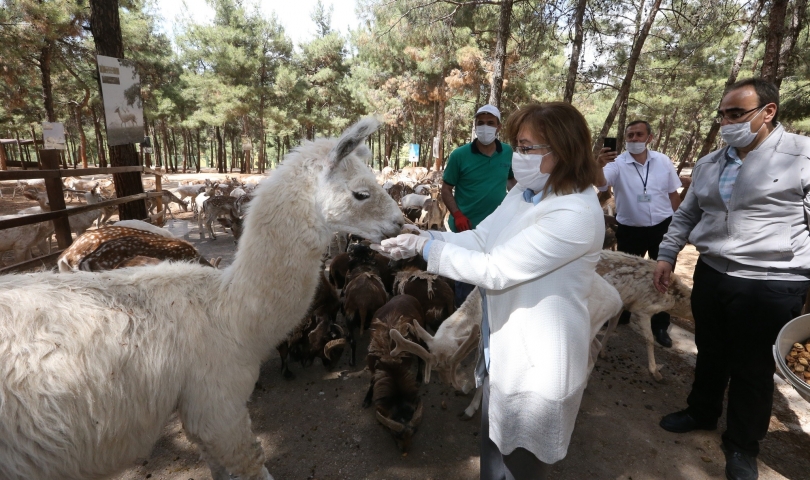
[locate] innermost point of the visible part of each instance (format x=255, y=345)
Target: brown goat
x=363, y=295
x=393, y=390
x=432, y=291
x=317, y=336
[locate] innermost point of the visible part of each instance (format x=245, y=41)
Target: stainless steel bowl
x=796, y=330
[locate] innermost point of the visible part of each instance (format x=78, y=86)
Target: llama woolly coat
x=536, y=263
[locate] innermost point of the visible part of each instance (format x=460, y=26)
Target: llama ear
x=351, y=139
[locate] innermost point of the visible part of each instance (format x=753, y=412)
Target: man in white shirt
x=645, y=185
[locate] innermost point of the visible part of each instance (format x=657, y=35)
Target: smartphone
x=610, y=142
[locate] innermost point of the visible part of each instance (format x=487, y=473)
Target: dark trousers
x=518, y=465
x=463, y=290
x=638, y=241
x=736, y=324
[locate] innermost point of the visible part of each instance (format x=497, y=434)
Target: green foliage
x=423, y=67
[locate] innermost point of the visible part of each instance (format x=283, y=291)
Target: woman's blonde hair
x=566, y=132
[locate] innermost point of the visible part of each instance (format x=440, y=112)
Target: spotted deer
x=221, y=206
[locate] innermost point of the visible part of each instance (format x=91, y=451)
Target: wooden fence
x=59, y=214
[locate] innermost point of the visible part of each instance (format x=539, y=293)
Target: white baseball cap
x=489, y=109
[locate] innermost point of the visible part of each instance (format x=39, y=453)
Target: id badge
x=644, y=198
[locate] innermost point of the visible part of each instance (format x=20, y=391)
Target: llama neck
x=275, y=273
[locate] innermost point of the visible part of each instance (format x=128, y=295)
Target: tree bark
x=620, y=127
x=797, y=19
x=732, y=77
x=102, y=156
x=437, y=166
x=106, y=27
x=45, y=57
x=576, y=52
x=499, y=64
x=624, y=90
x=773, y=41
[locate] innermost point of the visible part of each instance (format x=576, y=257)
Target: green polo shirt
x=479, y=180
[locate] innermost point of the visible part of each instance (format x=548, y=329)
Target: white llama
x=92, y=365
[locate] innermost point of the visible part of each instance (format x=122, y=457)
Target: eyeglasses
x=524, y=149
x=734, y=116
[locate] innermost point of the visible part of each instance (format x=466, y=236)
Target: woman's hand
x=403, y=246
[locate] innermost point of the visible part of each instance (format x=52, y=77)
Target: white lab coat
x=536, y=263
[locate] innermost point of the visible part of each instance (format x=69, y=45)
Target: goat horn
x=390, y=424
x=342, y=332
x=416, y=420
x=327, y=350
x=405, y=345
x=465, y=348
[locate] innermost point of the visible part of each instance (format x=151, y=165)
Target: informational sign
x=246, y=144
x=435, y=147
x=121, y=92
x=413, y=152
x=53, y=136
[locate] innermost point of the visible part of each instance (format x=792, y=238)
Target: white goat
x=458, y=336
x=90, y=374
x=632, y=277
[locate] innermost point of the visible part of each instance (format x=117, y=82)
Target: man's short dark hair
x=636, y=122
x=767, y=92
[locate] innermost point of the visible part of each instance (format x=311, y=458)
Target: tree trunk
x=620, y=127
x=156, y=144
x=624, y=90
x=77, y=113
x=3, y=158
x=199, y=152
x=797, y=19
x=106, y=28
x=773, y=40
x=437, y=166
x=732, y=77
x=576, y=51
x=500, y=55
x=45, y=57
x=102, y=155
x=184, y=137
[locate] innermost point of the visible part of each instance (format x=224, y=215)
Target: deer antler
x=405, y=345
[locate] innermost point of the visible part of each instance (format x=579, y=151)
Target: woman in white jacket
x=533, y=260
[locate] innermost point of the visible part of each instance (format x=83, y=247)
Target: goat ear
x=351, y=139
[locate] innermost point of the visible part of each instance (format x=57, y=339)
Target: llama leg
x=228, y=445
x=644, y=323
x=608, y=332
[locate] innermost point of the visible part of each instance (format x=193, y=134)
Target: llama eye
x=361, y=195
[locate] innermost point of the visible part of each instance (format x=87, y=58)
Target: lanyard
x=646, y=176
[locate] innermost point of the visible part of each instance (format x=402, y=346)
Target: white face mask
x=740, y=134
x=636, y=148
x=526, y=168
x=485, y=134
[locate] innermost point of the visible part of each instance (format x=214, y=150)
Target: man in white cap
x=476, y=178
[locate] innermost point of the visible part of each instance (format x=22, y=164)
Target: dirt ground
x=313, y=427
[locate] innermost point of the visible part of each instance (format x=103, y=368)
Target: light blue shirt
x=728, y=176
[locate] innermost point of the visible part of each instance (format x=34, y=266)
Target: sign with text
x=121, y=92
x=413, y=152
x=53, y=136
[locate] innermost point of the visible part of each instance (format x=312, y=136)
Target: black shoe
x=662, y=337
x=741, y=466
x=682, y=422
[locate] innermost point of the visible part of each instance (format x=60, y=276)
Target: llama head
x=348, y=194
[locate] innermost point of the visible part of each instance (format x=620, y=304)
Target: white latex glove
x=403, y=246
x=414, y=230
